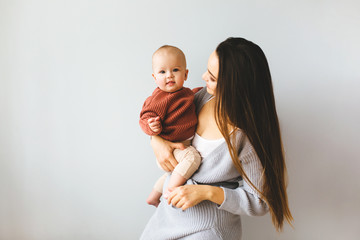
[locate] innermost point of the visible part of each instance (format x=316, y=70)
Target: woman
x=238, y=137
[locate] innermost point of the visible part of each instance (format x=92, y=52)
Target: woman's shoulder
x=201, y=97
x=195, y=90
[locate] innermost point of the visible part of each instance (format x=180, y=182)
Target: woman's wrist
x=214, y=194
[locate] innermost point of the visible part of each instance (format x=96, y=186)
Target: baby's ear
x=153, y=75
x=186, y=74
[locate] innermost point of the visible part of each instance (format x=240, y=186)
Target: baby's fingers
x=154, y=119
x=155, y=126
x=155, y=129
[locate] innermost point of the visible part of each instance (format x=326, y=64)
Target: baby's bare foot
x=154, y=198
x=154, y=202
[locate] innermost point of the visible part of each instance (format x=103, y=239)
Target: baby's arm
x=155, y=124
x=151, y=115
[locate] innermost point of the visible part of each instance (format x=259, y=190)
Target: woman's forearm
x=190, y=195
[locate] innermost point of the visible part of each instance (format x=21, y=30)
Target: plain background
x=74, y=163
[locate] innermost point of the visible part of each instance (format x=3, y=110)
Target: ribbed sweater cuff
x=227, y=204
x=238, y=201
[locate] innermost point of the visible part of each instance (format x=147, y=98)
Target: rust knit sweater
x=176, y=111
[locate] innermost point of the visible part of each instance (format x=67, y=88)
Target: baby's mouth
x=170, y=83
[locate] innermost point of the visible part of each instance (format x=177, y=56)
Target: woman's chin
x=209, y=91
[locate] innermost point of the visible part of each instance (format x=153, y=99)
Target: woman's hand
x=163, y=150
x=188, y=196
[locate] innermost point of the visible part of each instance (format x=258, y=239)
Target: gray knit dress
x=208, y=220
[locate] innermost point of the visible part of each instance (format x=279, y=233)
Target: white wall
x=74, y=163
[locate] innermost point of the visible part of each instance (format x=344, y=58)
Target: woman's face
x=211, y=75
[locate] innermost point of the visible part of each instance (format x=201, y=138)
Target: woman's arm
x=242, y=200
x=163, y=151
x=245, y=199
x=188, y=196
x=237, y=201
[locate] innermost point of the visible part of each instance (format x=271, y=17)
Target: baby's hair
x=171, y=48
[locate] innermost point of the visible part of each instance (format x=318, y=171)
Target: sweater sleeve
x=245, y=199
x=151, y=109
x=239, y=201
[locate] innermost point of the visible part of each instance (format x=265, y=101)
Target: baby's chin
x=171, y=89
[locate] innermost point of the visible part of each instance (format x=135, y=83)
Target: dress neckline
x=209, y=140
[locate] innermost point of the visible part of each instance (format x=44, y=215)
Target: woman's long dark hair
x=245, y=100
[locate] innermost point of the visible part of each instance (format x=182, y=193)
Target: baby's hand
x=155, y=124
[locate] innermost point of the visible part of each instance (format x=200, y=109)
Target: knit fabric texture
x=176, y=111
x=208, y=220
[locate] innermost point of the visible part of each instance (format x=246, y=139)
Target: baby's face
x=169, y=70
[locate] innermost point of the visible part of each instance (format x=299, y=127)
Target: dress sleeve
x=245, y=199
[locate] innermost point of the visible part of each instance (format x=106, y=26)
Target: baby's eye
x=162, y=72
x=176, y=70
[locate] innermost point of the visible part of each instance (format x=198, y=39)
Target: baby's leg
x=176, y=180
x=154, y=196
x=189, y=161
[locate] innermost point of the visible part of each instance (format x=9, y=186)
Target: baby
x=170, y=113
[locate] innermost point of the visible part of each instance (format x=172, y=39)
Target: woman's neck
x=207, y=127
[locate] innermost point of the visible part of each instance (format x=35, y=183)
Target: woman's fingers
x=165, y=165
x=181, y=203
x=177, y=198
x=178, y=145
x=171, y=157
x=187, y=196
x=172, y=162
x=166, y=162
x=173, y=198
x=164, y=152
x=168, y=167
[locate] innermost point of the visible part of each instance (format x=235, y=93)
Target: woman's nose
x=204, y=77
